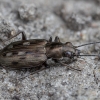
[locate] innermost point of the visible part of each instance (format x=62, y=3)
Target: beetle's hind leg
x=37, y=70
x=23, y=35
x=20, y=32
x=41, y=67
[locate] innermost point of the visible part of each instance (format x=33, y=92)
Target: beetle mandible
x=36, y=52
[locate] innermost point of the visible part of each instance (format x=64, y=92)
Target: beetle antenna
x=86, y=55
x=87, y=44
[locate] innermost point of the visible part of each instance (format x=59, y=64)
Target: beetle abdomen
x=29, y=60
x=17, y=55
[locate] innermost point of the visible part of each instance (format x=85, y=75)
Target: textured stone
x=42, y=19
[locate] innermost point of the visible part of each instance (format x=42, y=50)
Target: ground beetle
x=36, y=52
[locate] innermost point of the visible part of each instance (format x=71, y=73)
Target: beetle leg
x=56, y=60
x=50, y=39
x=57, y=39
x=37, y=71
x=77, y=69
x=69, y=67
x=32, y=73
x=73, y=60
x=69, y=61
x=40, y=68
x=46, y=65
x=23, y=36
x=65, y=64
x=2, y=42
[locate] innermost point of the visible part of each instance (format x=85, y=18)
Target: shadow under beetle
x=36, y=52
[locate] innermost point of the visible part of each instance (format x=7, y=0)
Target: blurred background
x=71, y=20
x=76, y=21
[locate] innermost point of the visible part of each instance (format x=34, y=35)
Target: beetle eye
x=68, y=54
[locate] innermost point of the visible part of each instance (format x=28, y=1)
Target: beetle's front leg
x=66, y=63
x=70, y=67
x=56, y=60
x=71, y=61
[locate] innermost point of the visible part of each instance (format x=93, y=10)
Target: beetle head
x=70, y=51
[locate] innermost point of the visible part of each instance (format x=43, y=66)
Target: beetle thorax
x=54, y=51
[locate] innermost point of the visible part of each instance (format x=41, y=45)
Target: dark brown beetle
x=35, y=52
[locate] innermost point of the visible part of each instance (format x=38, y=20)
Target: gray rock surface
x=77, y=21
